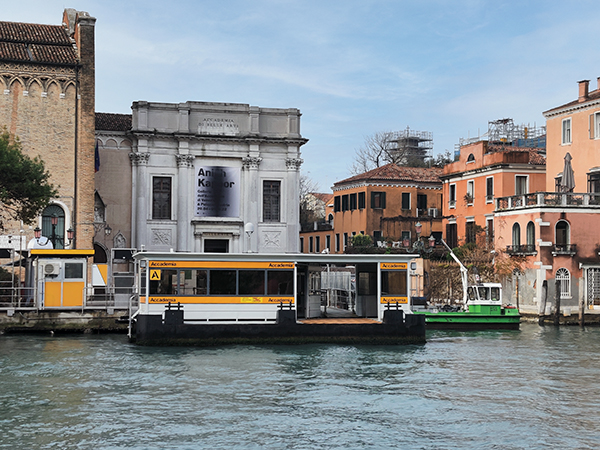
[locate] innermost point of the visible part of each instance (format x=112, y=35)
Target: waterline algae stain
x=496, y=389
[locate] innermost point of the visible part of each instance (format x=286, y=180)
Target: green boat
x=481, y=309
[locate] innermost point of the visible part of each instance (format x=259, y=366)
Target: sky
x=352, y=67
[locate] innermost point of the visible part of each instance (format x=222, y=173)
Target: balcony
x=565, y=200
x=521, y=250
x=564, y=249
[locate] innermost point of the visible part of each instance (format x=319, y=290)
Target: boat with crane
x=481, y=309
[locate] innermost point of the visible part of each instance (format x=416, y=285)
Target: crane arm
x=464, y=273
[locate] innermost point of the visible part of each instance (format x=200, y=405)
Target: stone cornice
x=246, y=139
x=387, y=184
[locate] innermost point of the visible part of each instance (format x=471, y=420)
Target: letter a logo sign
x=155, y=275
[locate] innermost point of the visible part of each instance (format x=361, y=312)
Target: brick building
x=47, y=100
x=384, y=203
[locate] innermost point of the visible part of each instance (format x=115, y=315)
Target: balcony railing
x=549, y=200
x=523, y=250
x=564, y=249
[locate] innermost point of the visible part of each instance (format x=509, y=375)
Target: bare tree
x=378, y=150
x=406, y=147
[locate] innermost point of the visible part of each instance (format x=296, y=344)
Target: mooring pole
x=542, y=310
x=581, y=311
x=557, y=294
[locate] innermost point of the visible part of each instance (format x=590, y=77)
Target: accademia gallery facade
x=215, y=177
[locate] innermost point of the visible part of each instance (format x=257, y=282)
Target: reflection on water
x=533, y=388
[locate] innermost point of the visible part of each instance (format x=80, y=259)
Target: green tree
x=24, y=183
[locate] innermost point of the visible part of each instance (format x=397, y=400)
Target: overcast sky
x=352, y=67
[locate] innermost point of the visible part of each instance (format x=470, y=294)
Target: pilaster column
x=185, y=164
x=140, y=188
x=292, y=212
x=251, y=203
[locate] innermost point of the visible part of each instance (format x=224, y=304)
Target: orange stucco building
x=482, y=172
x=385, y=203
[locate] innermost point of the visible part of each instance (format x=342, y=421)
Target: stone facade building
x=47, y=100
x=205, y=177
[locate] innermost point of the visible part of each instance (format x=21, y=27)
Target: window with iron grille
x=161, y=198
x=564, y=278
x=271, y=200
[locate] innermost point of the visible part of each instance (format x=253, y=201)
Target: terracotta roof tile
x=393, y=172
x=323, y=197
x=113, y=122
x=28, y=42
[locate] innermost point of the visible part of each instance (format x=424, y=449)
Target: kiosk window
x=73, y=270
x=393, y=282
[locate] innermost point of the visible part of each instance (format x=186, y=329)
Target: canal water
x=536, y=388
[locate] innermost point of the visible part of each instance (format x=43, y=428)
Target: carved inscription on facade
x=218, y=126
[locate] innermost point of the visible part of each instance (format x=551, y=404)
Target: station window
x=222, y=282
x=252, y=282
x=393, y=282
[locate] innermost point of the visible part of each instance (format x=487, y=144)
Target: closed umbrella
x=568, y=177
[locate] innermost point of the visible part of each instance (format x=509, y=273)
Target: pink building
x=559, y=226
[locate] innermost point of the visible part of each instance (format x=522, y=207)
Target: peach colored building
x=482, y=172
x=385, y=203
x=559, y=226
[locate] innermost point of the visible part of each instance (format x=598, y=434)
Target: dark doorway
x=216, y=246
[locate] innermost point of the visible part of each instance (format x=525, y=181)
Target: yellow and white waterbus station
x=187, y=289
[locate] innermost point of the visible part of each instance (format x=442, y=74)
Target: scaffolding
x=411, y=144
x=506, y=132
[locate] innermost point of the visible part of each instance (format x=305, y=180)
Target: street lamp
x=70, y=234
x=54, y=222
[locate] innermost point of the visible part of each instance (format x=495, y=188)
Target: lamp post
x=54, y=222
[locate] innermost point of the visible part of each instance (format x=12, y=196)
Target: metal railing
x=564, y=249
x=526, y=249
x=549, y=199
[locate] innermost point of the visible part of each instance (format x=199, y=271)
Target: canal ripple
x=533, y=388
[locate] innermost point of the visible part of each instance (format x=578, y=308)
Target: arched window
x=330, y=219
x=562, y=234
x=56, y=233
x=516, y=236
x=564, y=277
x=471, y=158
x=530, y=237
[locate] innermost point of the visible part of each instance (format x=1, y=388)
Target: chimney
x=598, y=79
x=583, y=90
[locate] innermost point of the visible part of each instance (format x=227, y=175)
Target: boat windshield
x=472, y=293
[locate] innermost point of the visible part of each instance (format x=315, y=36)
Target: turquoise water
x=534, y=388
